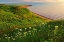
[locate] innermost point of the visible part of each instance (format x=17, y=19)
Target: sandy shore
x=46, y=18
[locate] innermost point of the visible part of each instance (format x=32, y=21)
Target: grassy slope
x=11, y=17
x=52, y=31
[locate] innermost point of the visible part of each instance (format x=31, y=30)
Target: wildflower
x=20, y=29
x=25, y=32
x=8, y=34
x=13, y=38
x=24, y=35
x=39, y=30
x=56, y=26
x=12, y=30
x=25, y=28
x=56, y=30
x=5, y=34
x=11, y=34
x=16, y=28
x=20, y=36
x=49, y=26
x=29, y=31
x=8, y=37
x=42, y=23
x=29, y=27
x=16, y=36
x=19, y=33
x=34, y=29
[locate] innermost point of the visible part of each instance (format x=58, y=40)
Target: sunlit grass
x=44, y=32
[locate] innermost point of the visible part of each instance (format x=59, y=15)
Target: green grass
x=23, y=26
x=44, y=32
x=10, y=15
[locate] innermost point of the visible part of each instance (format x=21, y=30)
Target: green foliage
x=45, y=32
x=11, y=14
x=21, y=25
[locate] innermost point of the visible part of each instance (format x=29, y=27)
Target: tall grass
x=45, y=32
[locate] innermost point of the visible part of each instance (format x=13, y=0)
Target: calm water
x=53, y=11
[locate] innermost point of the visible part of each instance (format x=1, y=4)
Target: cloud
x=31, y=0
x=38, y=0
x=44, y=0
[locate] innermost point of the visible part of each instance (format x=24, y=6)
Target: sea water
x=53, y=11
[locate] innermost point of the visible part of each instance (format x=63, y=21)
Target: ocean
x=51, y=10
x=54, y=11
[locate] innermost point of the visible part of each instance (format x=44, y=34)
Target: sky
x=53, y=1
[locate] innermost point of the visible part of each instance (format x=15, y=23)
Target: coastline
x=46, y=18
x=41, y=16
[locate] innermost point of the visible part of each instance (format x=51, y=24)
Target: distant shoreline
x=25, y=6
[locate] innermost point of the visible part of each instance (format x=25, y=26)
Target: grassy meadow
x=21, y=25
